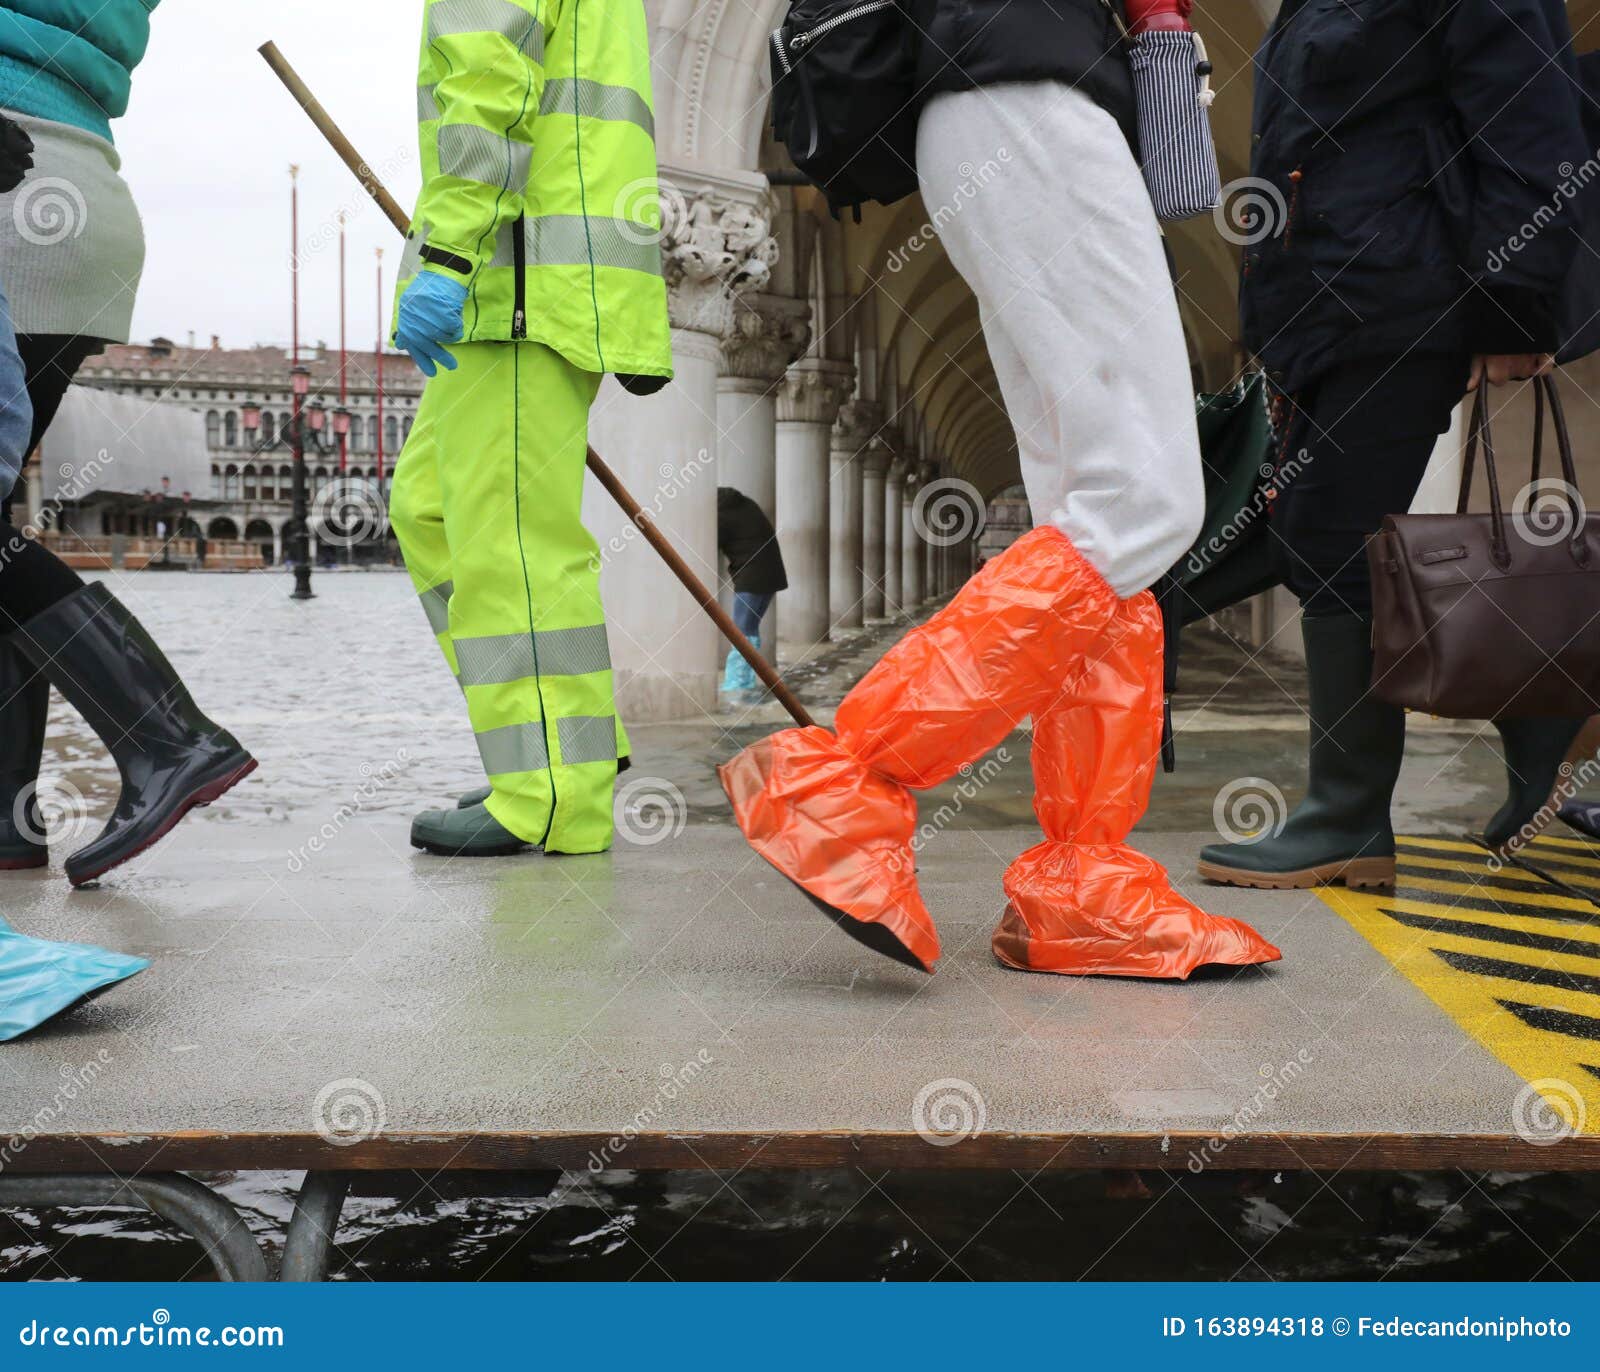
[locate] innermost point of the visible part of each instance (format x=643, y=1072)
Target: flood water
x=910, y=1226
x=330, y=693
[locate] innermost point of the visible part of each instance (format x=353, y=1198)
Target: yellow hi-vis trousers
x=487, y=505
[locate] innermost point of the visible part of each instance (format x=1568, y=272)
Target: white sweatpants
x=1043, y=210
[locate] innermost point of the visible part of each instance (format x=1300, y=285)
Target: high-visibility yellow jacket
x=540, y=187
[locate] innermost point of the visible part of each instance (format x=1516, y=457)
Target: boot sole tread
x=1353, y=873
x=445, y=850
x=197, y=800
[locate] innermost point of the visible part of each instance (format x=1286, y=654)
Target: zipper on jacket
x=1121, y=24
x=519, y=259
x=801, y=41
x=1295, y=178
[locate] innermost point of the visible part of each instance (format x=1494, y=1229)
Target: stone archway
x=260, y=533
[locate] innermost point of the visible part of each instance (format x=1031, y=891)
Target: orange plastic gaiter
x=1083, y=902
x=835, y=814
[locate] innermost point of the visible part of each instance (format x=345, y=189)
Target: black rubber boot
x=465, y=832
x=24, y=703
x=170, y=756
x=1341, y=831
x=1534, y=751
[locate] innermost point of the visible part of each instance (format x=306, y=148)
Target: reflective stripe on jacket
x=540, y=187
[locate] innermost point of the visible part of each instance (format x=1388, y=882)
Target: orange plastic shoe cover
x=1036, y=632
x=1083, y=902
x=835, y=815
x=840, y=832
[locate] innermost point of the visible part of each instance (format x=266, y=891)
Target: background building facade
x=248, y=487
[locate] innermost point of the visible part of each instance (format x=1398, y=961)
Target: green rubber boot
x=1534, y=751
x=1341, y=831
x=472, y=832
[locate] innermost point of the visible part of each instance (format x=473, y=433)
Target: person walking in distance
x=745, y=537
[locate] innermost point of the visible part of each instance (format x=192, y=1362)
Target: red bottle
x=1145, y=15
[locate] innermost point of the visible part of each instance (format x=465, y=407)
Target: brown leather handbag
x=1486, y=616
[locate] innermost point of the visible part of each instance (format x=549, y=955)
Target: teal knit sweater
x=72, y=61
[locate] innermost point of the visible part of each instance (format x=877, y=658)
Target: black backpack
x=844, y=99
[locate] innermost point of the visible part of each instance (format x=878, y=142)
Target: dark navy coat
x=746, y=538
x=1419, y=161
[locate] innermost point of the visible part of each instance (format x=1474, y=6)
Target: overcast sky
x=207, y=143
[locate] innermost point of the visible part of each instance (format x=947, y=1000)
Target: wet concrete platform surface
x=326, y=998
x=317, y=981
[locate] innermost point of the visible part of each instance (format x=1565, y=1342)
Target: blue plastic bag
x=39, y=979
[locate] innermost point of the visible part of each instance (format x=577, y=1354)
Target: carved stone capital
x=876, y=459
x=766, y=334
x=716, y=245
x=859, y=423
x=813, y=391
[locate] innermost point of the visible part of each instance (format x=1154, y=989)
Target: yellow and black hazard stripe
x=1510, y=950
x=1572, y=864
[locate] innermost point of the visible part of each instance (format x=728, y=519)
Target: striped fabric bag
x=1172, y=86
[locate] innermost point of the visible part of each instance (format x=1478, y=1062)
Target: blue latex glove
x=430, y=316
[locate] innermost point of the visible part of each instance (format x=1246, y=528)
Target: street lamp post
x=307, y=430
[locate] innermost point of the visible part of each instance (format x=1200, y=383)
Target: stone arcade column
x=911, y=592
x=894, y=491
x=875, y=462
x=808, y=405
x=930, y=551
x=858, y=425
x=766, y=334
x=716, y=246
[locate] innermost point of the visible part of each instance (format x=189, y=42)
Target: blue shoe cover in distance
x=39, y=979
x=740, y=675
